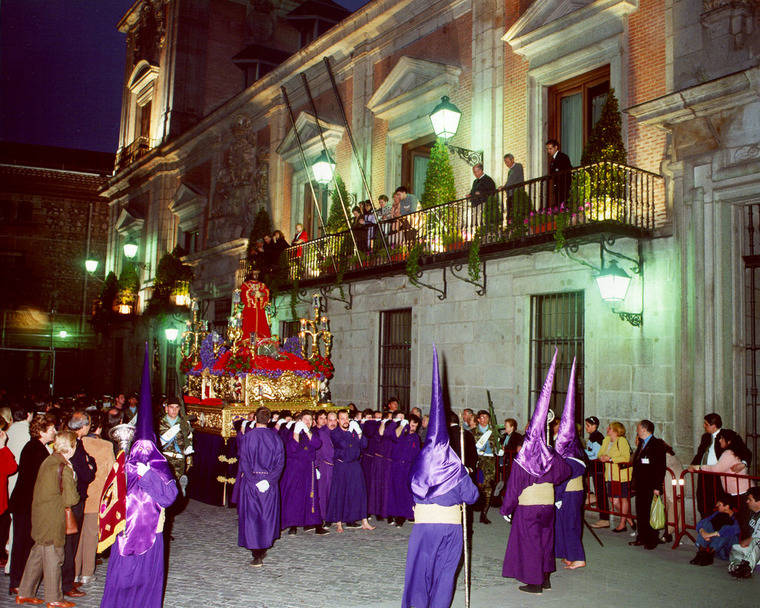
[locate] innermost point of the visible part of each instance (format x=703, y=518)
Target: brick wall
x=515, y=92
x=226, y=38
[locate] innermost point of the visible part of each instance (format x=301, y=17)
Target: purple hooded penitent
x=136, y=567
x=535, y=456
x=437, y=469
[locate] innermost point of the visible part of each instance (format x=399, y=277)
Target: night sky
x=62, y=70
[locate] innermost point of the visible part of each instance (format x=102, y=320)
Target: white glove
x=300, y=426
x=319, y=475
x=508, y=519
x=279, y=422
x=501, y=453
x=290, y=423
x=558, y=504
x=398, y=417
x=142, y=468
x=403, y=423
x=354, y=426
x=262, y=486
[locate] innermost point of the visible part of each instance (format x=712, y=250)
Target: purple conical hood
x=535, y=456
x=144, y=428
x=566, y=444
x=437, y=469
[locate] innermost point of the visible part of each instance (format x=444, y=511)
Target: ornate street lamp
x=91, y=266
x=130, y=250
x=613, y=283
x=171, y=333
x=323, y=168
x=445, y=118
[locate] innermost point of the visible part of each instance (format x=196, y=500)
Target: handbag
x=71, y=522
x=657, y=513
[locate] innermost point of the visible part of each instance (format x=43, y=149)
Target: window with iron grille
x=395, y=356
x=557, y=321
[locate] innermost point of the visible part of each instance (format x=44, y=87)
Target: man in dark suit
x=708, y=453
x=482, y=187
x=648, y=480
x=559, y=170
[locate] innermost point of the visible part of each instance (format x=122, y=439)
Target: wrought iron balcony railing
x=134, y=151
x=538, y=212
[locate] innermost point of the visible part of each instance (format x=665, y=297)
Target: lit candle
x=303, y=325
x=236, y=296
x=324, y=323
x=315, y=301
x=194, y=305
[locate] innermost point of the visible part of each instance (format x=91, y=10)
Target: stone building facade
x=53, y=219
x=520, y=72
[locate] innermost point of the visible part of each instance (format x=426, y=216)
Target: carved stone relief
x=148, y=35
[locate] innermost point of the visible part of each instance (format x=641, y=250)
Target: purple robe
x=434, y=554
x=137, y=579
x=530, y=549
x=568, y=521
x=370, y=430
x=381, y=471
x=260, y=457
x=325, y=467
x=404, y=451
x=298, y=486
x=348, y=496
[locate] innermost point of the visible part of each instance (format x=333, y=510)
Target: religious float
x=229, y=378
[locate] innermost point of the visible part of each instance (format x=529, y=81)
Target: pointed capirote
x=566, y=444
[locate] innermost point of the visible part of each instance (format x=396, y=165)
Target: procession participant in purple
x=325, y=423
x=370, y=428
x=569, y=495
x=439, y=484
x=377, y=472
x=529, y=500
x=284, y=425
x=261, y=458
x=388, y=433
x=348, y=496
x=135, y=574
x=298, y=486
x=405, y=449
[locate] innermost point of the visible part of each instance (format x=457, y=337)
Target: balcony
x=134, y=151
x=541, y=214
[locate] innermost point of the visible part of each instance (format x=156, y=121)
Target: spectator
x=745, y=555
x=596, y=471
x=279, y=245
x=716, y=534
x=708, y=453
x=300, y=236
x=407, y=202
x=648, y=479
x=370, y=221
x=515, y=173
x=616, y=451
x=7, y=467
x=268, y=254
x=482, y=186
x=54, y=490
x=733, y=455
x=384, y=210
x=468, y=417
x=102, y=451
x=18, y=437
x=559, y=170
x=42, y=432
x=359, y=228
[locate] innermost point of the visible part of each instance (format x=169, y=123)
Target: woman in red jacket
x=7, y=468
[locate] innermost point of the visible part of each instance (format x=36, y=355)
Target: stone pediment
x=561, y=27
x=188, y=205
x=411, y=86
x=310, y=140
x=130, y=223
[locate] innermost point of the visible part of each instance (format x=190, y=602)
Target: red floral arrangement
x=323, y=365
x=186, y=364
x=241, y=361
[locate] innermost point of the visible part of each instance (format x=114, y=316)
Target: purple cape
x=298, y=486
x=434, y=553
x=325, y=466
x=136, y=580
x=403, y=454
x=530, y=549
x=348, y=496
x=568, y=522
x=260, y=457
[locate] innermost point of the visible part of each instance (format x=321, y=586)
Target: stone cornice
x=701, y=100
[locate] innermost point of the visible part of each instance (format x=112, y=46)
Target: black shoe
x=257, y=561
x=619, y=530
x=636, y=543
x=531, y=588
x=547, y=584
x=650, y=547
x=400, y=521
x=484, y=519
x=697, y=559
x=292, y=530
x=633, y=526
x=321, y=531
x=390, y=521
x=666, y=539
x=307, y=528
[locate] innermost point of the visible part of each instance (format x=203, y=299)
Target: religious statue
x=254, y=296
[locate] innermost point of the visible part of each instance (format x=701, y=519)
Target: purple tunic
x=434, y=554
x=298, y=486
x=136, y=580
x=530, y=549
x=568, y=522
x=260, y=457
x=348, y=496
x=382, y=470
x=404, y=451
x=325, y=466
x=370, y=431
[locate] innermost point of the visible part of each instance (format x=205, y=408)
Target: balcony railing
x=134, y=151
x=538, y=212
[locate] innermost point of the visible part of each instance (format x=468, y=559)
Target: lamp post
x=91, y=266
x=613, y=283
x=445, y=119
x=130, y=250
x=323, y=168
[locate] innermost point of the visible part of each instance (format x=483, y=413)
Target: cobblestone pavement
x=366, y=569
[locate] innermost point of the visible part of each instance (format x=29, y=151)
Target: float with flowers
x=230, y=376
